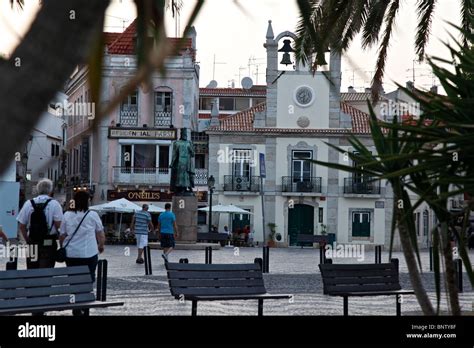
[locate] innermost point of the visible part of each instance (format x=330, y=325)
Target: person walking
x=39, y=222
x=141, y=222
x=82, y=235
x=167, y=231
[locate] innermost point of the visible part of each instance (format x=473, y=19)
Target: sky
x=232, y=33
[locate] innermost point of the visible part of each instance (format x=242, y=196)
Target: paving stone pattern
x=292, y=270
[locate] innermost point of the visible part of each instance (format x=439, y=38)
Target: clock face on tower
x=304, y=96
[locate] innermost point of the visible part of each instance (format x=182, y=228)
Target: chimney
x=351, y=89
x=214, y=114
x=434, y=89
x=410, y=85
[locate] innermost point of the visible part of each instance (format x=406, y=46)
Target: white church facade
x=302, y=113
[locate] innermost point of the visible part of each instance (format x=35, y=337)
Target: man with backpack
x=39, y=220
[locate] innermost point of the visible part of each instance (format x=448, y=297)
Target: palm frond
x=383, y=48
x=373, y=24
x=425, y=15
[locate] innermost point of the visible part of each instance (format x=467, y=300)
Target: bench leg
x=346, y=306
x=260, y=307
x=194, y=308
x=399, y=305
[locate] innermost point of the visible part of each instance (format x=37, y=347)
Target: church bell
x=286, y=49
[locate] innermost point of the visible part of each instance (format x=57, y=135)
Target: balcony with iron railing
x=141, y=176
x=241, y=183
x=361, y=186
x=309, y=184
x=163, y=119
x=200, y=177
x=129, y=115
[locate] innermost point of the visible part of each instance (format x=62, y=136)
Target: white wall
x=288, y=110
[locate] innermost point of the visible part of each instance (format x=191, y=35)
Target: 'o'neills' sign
x=149, y=196
x=142, y=133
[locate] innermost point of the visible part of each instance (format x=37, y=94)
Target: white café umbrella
x=121, y=206
x=226, y=208
x=155, y=209
x=223, y=208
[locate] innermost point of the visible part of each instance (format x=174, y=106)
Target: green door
x=300, y=221
x=239, y=222
x=361, y=224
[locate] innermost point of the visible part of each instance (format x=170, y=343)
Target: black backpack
x=39, y=229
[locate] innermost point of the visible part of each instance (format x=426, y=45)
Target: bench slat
x=58, y=308
x=205, y=283
x=39, y=282
x=44, y=301
x=214, y=275
x=212, y=236
x=358, y=280
x=217, y=291
x=43, y=272
x=360, y=273
x=239, y=297
x=376, y=293
x=212, y=267
x=333, y=289
x=357, y=267
x=45, y=291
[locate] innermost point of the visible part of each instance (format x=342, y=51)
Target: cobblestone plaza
x=292, y=270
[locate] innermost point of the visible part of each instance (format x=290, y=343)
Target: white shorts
x=142, y=240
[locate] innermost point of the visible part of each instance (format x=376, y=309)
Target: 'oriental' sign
x=142, y=133
x=149, y=196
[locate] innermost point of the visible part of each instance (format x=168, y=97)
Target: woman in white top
x=83, y=246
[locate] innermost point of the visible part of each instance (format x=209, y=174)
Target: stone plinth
x=185, y=209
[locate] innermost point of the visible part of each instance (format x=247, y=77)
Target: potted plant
x=331, y=237
x=271, y=241
x=324, y=229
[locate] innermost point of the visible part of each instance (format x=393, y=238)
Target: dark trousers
x=44, y=258
x=91, y=262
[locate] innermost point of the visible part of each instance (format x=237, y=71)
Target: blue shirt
x=166, y=220
x=142, y=219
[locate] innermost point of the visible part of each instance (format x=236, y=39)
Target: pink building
x=127, y=154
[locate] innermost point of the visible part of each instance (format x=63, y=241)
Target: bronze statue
x=182, y=165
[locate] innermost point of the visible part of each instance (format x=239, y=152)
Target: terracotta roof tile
x=360, y=120
x=358, y=96
x=234, y=92
x=110, y=37
x=124, y=43
x=243, y=122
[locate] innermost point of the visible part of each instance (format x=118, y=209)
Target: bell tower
x=271, y=77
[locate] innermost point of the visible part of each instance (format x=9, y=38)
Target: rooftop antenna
x=214, y=67
x=240, y=71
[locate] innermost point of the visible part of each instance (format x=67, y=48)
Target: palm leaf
x=425, y=14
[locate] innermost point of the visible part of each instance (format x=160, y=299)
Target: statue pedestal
x=185, y=209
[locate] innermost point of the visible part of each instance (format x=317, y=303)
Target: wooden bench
x=348, y=280
x=218, y=282
x=216, y=237
x=48, y=289
x=310, y=238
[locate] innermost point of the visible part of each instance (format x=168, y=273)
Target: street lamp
x=210, y=184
